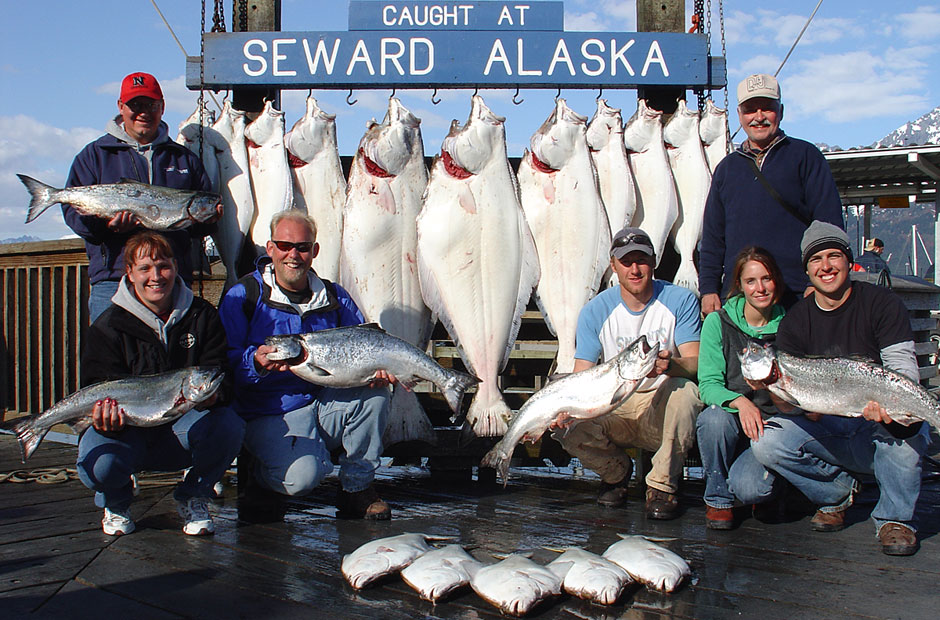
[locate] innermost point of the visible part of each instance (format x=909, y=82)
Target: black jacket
x=120, y=345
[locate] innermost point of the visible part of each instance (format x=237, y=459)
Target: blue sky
x=863, y=68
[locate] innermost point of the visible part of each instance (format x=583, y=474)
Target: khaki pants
x=661, y=421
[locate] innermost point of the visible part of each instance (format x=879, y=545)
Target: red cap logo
x=140, y=85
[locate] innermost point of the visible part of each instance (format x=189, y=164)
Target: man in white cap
x=764, y=193
x=822, y=455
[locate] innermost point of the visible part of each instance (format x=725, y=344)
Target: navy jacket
x=740, y=211
x=254, y=309
x=108, y=160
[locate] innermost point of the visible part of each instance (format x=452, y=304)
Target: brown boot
x=828, y=521
x=661, y=505
x=719, y=518
x=613, y=495
x=897, y=539
x=364, y=504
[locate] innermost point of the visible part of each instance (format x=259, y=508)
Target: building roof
x=863, y=175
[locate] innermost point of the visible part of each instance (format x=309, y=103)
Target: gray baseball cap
x=631, y=239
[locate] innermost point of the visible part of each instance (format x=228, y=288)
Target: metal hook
x=600, y=93
x=393, y=93
x=516, y=95
x=476, y=91
x=310, y=93
x=354, y=101
x=433, y=95
x=558, y=95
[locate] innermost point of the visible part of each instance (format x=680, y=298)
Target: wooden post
x=262, y=16
x=661, y=16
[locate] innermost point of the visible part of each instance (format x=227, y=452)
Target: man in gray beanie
x=822, y=454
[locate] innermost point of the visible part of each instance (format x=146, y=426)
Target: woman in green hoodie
x=734, y=413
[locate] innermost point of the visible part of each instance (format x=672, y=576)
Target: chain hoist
x=218, y=17
x=242, y=6
x=201, y=105
x=698, y=21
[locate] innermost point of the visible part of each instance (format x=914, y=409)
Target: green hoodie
x=714, y=371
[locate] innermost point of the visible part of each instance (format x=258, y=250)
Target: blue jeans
x=818, y=456
x=99, y=298
x=206, y=441
x=731, y=471
x=293, y=450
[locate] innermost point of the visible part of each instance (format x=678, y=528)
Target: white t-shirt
x=606, y=325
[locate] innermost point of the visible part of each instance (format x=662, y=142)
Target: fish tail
x=456, y=386
x=490, y=419
x=42, y=196
x=498, y=460
x=27, y=436
x=687, y=276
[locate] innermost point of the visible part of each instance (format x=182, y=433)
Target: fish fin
x=375, y=326
x=782, y=393
x=558, y=375
x=687, y=277
x=80, y=425
x=41, y=196
x=179, y=225
x=489, y=421
x=28, y=437
x=528, y=279
x=454, y=388
x=623, y=392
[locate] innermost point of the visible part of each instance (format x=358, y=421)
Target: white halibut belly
x=571, y=232
x=322, y=187
x=270, y=174
x=658, y=204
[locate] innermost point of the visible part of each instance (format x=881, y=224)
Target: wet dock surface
x=56, y=562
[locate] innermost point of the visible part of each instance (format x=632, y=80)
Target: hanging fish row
x=516, y=584
x=467, y=243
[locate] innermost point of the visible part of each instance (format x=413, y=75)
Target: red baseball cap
x=140, y=85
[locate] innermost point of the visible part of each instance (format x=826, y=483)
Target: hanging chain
x=724, y=54
x=201, y=105
x=242, y=15
x=699, y=21
x=218, y=17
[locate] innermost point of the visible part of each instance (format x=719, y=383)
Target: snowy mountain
x=925, y=130
x=23, y=239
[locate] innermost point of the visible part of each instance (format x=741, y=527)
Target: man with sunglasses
x=137, y=147
x=294, y=425
x=660, y=415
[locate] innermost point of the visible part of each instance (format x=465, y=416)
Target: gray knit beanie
x=824, y=236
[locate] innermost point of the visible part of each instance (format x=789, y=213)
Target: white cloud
x=922, y=24
x=855, y=85
x=585, y=22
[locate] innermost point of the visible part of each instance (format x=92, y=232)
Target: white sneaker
x=196, y=518
x=117, y=523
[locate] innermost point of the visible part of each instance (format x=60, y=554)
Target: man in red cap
x=136, y=146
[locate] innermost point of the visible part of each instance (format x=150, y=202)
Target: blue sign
x=485, y=59
x=456, y=15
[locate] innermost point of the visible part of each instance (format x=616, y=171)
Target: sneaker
x=719, y=518
x=661, y=505
x=364, y=504
x=117, y=522
x=897, y=539
x=196, y=518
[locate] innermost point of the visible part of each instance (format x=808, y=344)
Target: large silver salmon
x=350, y=356
x=157, y=208
x=838, y=386
x=149, y=400
x=563, y=207
x=581, y=395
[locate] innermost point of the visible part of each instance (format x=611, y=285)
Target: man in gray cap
x=764, y=193
x=660, y=415
x=821, y=455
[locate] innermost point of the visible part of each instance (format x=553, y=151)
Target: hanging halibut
x=657, y=200
x=714, y=133
x=564, y=210
x=189, y=136
x=378, y=262
x=687, y=161
x=228, y=140
x=614, y=176
x=476, y=257
x=270, y=175
x=320, y=187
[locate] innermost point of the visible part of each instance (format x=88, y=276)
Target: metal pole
x=661, y=16
x=262, y=16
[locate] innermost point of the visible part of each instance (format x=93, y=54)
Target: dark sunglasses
x=286, y=246
x=142, y=105
x=629, y=238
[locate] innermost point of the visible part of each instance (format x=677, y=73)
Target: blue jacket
x=740, y=211
x=254, y=309
x=110, y=159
